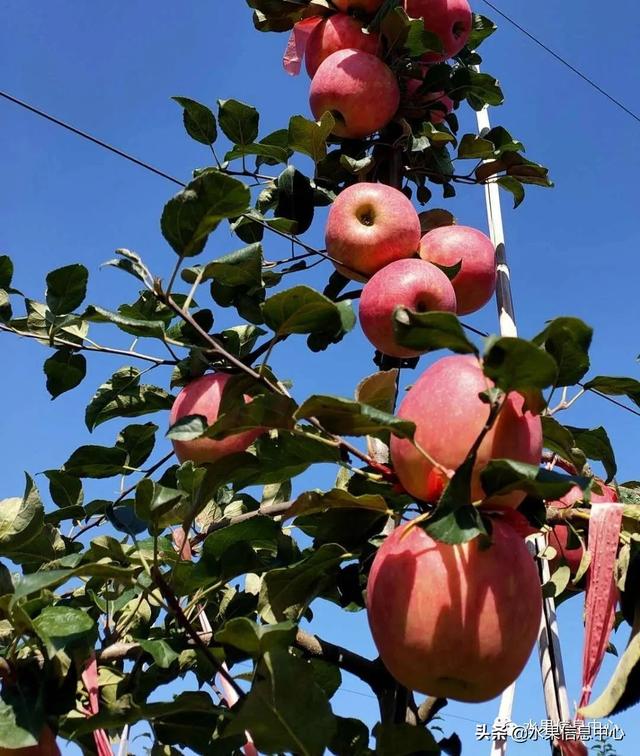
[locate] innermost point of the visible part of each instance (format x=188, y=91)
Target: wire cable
x=564, y=62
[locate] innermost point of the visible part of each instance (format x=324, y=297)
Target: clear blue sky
x=111, y=69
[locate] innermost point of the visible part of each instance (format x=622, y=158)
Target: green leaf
x=559, y=439
x=131, y=263
x=285, y=711
x=64, y=370
x=238, y=121
x=310, y=137
x=196, y=211
x=256, y=640
x=352, y=418
x=473, y=146
x=296, y=199
x=286, y=592
x=501, y=476
x=260, y=532
x=199, y=121
x=96, y=462
x=61, y=627
x=481, y=29
x=138, y=441
x=319, y=501
x=595, y=444
x=21, y=519
x=518, y=365
x=420, y=41
x=156, y=503
x=65, y=489
x=240, y=268
x=304, y=310
x=66, y=288
x=379, y=390
x=614, y=386
x=269, y=152
x=162, y=653
x=429, y=331
x=147, y=328
x=21, y=719
x=403, y=740
x=6, y=272
x=568, y=341
x=123, y=396
x=557, y=583
x=455, y=519
x=352, y=736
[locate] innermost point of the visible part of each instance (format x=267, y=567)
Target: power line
x=90, y=138
x=158, y=172
x=564, y=62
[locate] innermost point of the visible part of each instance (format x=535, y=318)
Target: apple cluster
x=455, y=621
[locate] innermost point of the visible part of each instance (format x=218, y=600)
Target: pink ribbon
x=292, y=60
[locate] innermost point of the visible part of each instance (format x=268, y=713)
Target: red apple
x=365, y=6
x=449, y=416
x=359, y=90
x=338, y=32
x=560, y=535
x=46, y=746
x=454, y=621
x=449, y=20
x=475, y=284
x=202, y=397
x=411, y=283
x=436, y=104
x=370, y=226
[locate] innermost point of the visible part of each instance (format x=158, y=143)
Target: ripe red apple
x=475, y=284
x=449, y=416
x=560, y=535
x=365, y=6
x=411, y=283
x=436, y=104
x=450, y=20
x=454, y=621
x=202, y=397
x=359, y=90
x=370, y=226
x=46, y=746
x=338, y=32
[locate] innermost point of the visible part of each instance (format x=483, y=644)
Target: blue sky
x=111, y=69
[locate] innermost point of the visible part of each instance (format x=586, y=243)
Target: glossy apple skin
x=370, y=226
x=449, y=416
x=411, y=283
x=47, y=746
x=360, y=91
x=475, y=284
x=202, y=397
x=364, y=6
x=338, y=32
x=454, y=621
x=450, y=20
x=560, y=535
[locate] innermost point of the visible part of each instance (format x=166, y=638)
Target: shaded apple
x=411, y=283
x=475, y=283
x=202, y=397
x=358, y=89
x=370, y=226
x=444, y=404
x=450, y=20
x=338, y=32
x=458, y=621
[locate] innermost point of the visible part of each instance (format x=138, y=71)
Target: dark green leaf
x=65, y=489
x=199, y=121
x=296, y=199
x=518, y=365
x=403, y=740
x=568, y=341
x=253, y=639
x=162, y=653
x=96, y=462
x=352, y=737
x=613, y=386
x=474, y=146
x=6, y=272
x=60, y=627
x=123, y=396
x=189, y=218
x=135, y=326
x=429, y=331
x=481, y=29
x=560, y=440
x=138, y=441
x=240, y=268
x=352, y=418
x=595, y=444
x=21, y=720
x=64, y=370
x=285, y=709
x=501, y=476
x=238, y=121
x=66, y=288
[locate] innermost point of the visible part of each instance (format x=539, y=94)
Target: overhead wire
x=563, y=61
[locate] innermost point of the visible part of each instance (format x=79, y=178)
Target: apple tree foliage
x=202, y=569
